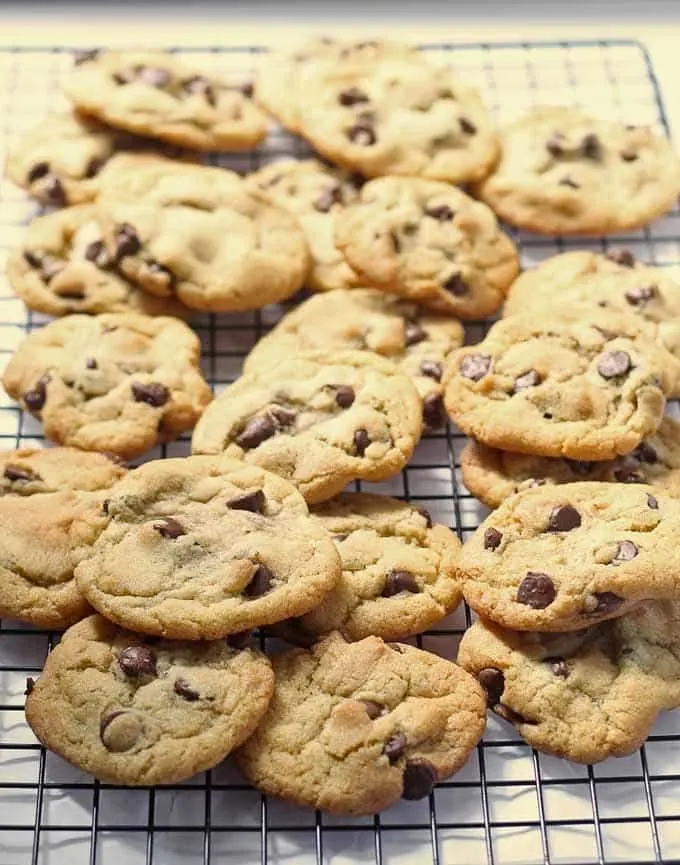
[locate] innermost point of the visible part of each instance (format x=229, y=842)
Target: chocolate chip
x=33, y=259
x=91, y=363
x=328, y=198
x=84, y=56
x=344, y=395
x=492, y=538
x=624, y=257
x=361, y=441
x=606, y=602
x=652, y=502
x=50, y=268
x=396, y=242
x=419, y=779
x=240, y=640
x=510, y=715
x=126, y=240
x=441, y=212
x=536, y=591
x=434, y=415
x=395, y=747
x=260, y=582
x=94, y=166
x=257, y=430
x=183, y=689
x=563, y=518
x=493, y=682
x=475, y=366
x=528, y=379
x=137, y=661
x=39, y=170
x=567, y=181
x=154, y=76
x=152, y=393
x=591, y=147
x=646, y=453
x=614, y=363
x=284, y=417
x=628, y=475
x=352, y=96
x=248, y=89
x=629, y=155
x=362, y=133
x=625, y=551
x=253, y=502
x=399, y=581
x=426, y=515
x=105, y=506
x=200, y=86
x=35, y=399
x=97, y=253
x=30, y=684
x=580, y=467
x=54, y=192
x=155, y=269
x=168, y=527
x=432, y=369
x=456, y=285
x=641, y=294
x=467, y=126
x=559, y=667
x=119, y=737
x=555, y=144
x=16, y=473
x=413, y=333
x=373, y=710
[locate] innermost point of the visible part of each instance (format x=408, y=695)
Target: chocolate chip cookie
x=62, y=267
x=586, y=388
x=120, y=382
x=586, y=695
x=419, y=342
x=318, y=421
x=428, y=242
x=564, y=172
x=494, y=475
x=51, y=513
x=353, y=727
x=398, y=571
x=201, y=547
x=314, y=193
x=558, y=558
x=159, y=96
x=135, y=711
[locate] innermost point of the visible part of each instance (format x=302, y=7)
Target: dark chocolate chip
x=434, y=415
x=510, y=715
x=399, y=581
x=253, y=502
x=493, y=682
x=419, y=779
x=563, y=518
x=183, y=689
x=257, y=430
x=248, y=89
x=54, y=192
x=559, y=667
x=456, y=285
x=283, y=416
x=126, y=240
x=154, y=76
x=260, y=582
x=442, y=212
x=567, y=181
x=344, y=395
x=395, y=747
x=362, y=133
x=629, y=155
x=555, y=144
x=39, y=170
x=35, y=399
x=427, y=516
x=30, y=684
x=580, y=467
x=528, y=379
x=536, y=591
x=240, y=640
x=475, y=366
x=612, y=364
x=467, y=126
x=373, y=710
x=330, y=196
x=625, y=551
x=152, y=393
x=16, y=473
x=413, y=333
x=641, y=294
x=168, y=527
x=137, y=661
x=97, y=253
x=200, y=86
x=646, y=453
x=492, y=538
x=607, y=602
x=91, y=363
x=432, y=369
x=94, y=166
x=361, y=441
x=105, y=506
x=624, y=257
x=591, y=147
x=33, y=259
x=352, y=96
x=628, y=475
x=85, y=56
x=652, y=502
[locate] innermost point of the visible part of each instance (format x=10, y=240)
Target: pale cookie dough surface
x=558, y=558
x=201, y=547
x=428, y=242
x=419, y=342
x=353, y=727
x=563, y=172
x=158, y=95
x=51, y=513
x=314, y=193
x=118, y=382
x=583, y=696
x=586, y=388
x=319, y=422
x=135, y=712
x=494, y=475
x=63, y=267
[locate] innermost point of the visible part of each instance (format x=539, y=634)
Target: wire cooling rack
x=509, y=804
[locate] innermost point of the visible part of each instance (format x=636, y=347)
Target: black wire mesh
x=509, y=804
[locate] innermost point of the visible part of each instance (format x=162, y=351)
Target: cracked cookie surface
x=133, y=711
x=428, y=242
x=587, y=695
x=353, y=727
x=318, y=422
x=120, y=382
x=201, y=547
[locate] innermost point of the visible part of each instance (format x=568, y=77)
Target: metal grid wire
x=509, y=804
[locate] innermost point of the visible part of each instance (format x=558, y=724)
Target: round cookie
x=558, y=558
x=62, y=267
x=201, y=547
x=51, y=513
x=121, y=382
x=320, y=422
x=139, y=712
x=584, y=696
x=157, y=95
x=420, y=343
x=353, y=727
x=564, y=172
x=428, y=242
x=493, y=475
x=586, y=388
x=314, y=193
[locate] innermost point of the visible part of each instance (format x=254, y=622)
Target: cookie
x=428, y=242
x=121, y=382
x=564, y=172
x=134, y=711
x=154, y=94
x=62, y=267
x=494, y=475
x=558, y=558
x=197, y=233
x=314, y=193
x=218, y=547
x=353, y=727
x=586, y=388
x=419, y=342
x=51, y=513
x=587, y=695
x=398, y=571
x=318, y=421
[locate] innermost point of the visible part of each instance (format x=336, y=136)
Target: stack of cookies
x=162, y=573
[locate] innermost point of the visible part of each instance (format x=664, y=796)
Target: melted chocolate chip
x=591, y=147
x=257, y=430
x=16, y=473
x=624, y=257
x=434, y=415
x=536, y=591
x=529, y=379
x=555, y=144
x=54, y=192
x=200, y=86
x=467, y=126
x=419, y=779
x=652, y=502
x=362, y=133
x=152, y=393
x=39, y=170
x=441, y=212
x=361, y=441
x=260, y=582
x=607, y=602
x=283, y=416
x=612, y=364
x=105, y=506
x=426, y=515
x=91, y=363
x=344, y=395
x=456, y=285
x=625, y=551
x=395, y=747
x=646, y=453
x=94, y=166
x=33, y=259
x=493, y=682
x=492, y=538
x=413, y=333
x=34, y=399
x=628, y=475
x=352, y=96
x=580, y=467
x=629, y=155
x=85, y=56
x=97, y=253
x=399, y=581
x=641, y=294
x=373, y=710
x=126, y=240
x=168, y=527
x=183, y=689
x=432, y=369
x=475, y=366
x=328, y=198
x=253, y=502
x=567, y=181
x=240, y=640
x=137, y=661
x=559, y=667
x=563, y=518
